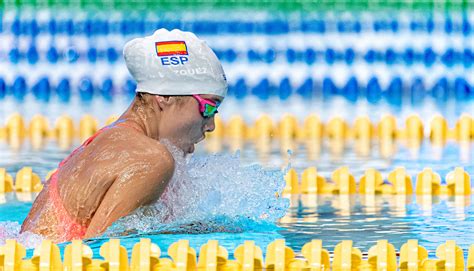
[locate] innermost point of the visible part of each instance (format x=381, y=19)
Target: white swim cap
x=174, y=63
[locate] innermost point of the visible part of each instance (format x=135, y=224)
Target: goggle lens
x=210, y=110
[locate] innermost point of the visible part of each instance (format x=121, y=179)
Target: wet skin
x=124, y=167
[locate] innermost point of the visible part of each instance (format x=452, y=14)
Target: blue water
x=331, y=218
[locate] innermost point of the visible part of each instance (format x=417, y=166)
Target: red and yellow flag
x=169, y=48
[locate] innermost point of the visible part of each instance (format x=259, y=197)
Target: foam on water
x=11, y=230
x=211, y=193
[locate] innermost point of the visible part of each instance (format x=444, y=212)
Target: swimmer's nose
x=210, y=125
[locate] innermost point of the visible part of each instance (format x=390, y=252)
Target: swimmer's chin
x=191, y=149
x=188, y=149
x=192, y=146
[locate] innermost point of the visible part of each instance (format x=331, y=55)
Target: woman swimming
x=180, y=84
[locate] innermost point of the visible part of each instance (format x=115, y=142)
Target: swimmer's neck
x=144, y=114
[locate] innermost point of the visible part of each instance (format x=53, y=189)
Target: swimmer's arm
x=130, y=191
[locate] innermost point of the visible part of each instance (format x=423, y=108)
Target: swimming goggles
x=208, y=108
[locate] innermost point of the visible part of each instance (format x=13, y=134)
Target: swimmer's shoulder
x=140, y=148
x=161, y=155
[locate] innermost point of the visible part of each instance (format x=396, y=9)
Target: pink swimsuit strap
x=70, y=226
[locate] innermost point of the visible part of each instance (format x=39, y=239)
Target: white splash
x=211, y=193
x=11, y=230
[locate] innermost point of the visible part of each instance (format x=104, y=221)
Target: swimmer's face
x=182, y=123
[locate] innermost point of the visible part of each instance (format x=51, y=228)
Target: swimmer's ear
x=167, y=101
x=164, y=101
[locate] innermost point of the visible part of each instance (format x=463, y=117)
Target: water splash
x=11, y=230
x=211, y=193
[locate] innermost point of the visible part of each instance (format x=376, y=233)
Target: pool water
x=332, y=218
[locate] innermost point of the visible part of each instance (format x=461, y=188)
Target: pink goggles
x=208, y=108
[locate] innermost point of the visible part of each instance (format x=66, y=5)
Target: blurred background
x=283, y=59
x=395, y=55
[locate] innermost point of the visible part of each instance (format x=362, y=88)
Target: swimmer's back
x=116, y=152
x=118, y=171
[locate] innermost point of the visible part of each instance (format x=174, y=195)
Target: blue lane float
x=125, y=25
x=86, y=89
x=19, y=88
x=373, y=91
x=107, y=89
x=3, y=88
x=63, y=90
x=42, y=90
x=416, y=90
x=428, y=57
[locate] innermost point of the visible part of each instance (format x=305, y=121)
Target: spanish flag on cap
x=169, y=48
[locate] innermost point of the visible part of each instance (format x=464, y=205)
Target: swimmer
x=180, y=85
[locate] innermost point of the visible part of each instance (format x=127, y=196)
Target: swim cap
x=174, y=63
